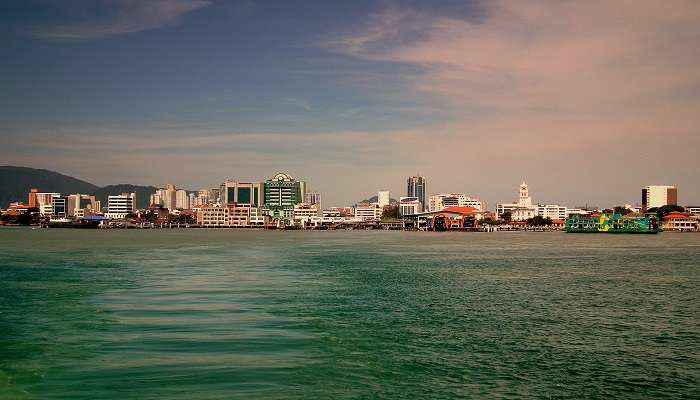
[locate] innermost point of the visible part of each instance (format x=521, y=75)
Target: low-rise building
x=693, y=210
x=368, y=211
x=680, y=222
x=119, y=206
x=339, y=212
x=439, y=202
x=232, y=215
x=552, y=211
x=212, y=215
x=409, y=206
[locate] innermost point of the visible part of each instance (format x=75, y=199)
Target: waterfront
x=209, y=314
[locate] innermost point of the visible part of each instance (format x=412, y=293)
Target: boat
x=78, y=223
x=616, y=223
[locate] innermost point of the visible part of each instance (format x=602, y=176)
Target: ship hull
x=74, y=224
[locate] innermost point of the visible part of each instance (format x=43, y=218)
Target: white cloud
x=122, y=17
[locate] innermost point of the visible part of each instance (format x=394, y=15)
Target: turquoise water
x=226, y=314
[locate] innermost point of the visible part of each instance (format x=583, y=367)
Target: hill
x=15, y=183
x=375, y=198
x=143, y=193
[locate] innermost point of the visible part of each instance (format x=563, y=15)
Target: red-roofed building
x=678, y=221
x=460, y=210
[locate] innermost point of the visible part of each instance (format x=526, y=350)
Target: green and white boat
x=616, y=223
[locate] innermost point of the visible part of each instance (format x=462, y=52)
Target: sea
x=247, y=314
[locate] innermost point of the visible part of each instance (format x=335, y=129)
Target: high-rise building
x=32, y=197
x=383, y=198
x=659, y=196
x=251, y=193
x=282, y=193
x=181, y=200
x=80, y=204
x=44, y=201
x=118, y=206
x=203, y=197
x=59, y=207
x=416, y=187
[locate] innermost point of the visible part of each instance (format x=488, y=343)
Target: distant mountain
x=143, y=193
x=15, y=183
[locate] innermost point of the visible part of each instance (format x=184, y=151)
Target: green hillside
x=15, y=183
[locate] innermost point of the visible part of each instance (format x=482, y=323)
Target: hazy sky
x=586, y=100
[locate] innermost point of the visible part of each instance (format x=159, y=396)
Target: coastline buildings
x=659, y=196
x=679, y=222
x=524, y=209
x=520, y=210
x=438, y=202
x=282, y=193
x=230, y=215
x=416, y=187
x=119, y=206
x=166, y=198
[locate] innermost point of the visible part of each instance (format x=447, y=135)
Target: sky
x=587, y=101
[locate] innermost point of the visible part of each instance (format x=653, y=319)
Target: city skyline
x=476, y=96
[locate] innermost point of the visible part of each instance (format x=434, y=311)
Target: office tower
x=118, y=206
x=416, y=188
x=242, y=193
x=282, y=193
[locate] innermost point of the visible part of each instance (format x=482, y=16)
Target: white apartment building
x=409, y=205
x=659, y=196
x=119, y=206
x=551, y=211
x=439, y=202
x=305, y=211
x=383, y=198
x=368, y=211
x=182, y=201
